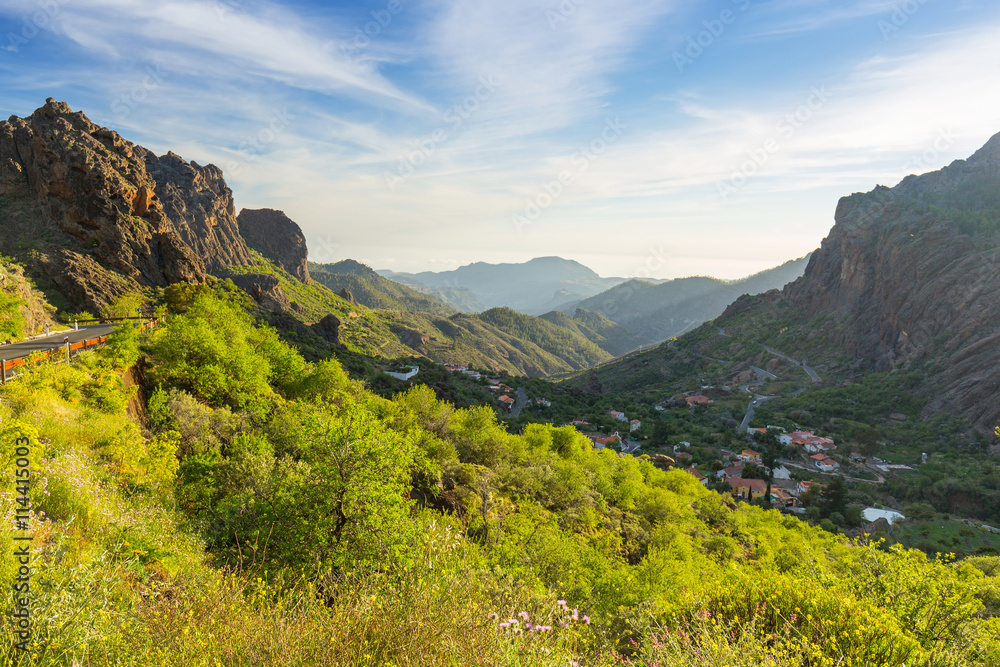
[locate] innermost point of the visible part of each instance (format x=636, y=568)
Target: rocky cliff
x=277, y=237
x=94, y=215
x=909, y=277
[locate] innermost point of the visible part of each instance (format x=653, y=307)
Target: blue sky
x=641, y=137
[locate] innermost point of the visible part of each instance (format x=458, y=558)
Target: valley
x=327, y=446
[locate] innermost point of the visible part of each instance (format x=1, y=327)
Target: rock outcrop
x=93, y=215
x=912, y=274
x=265, y=290
x=277, y=237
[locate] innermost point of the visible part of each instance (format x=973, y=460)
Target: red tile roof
x=755, y=485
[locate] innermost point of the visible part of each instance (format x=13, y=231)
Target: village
x=802, y=465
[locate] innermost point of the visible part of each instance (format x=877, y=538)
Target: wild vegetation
x=253, y=507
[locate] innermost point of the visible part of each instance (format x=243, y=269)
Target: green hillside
x=566, y=343
x=248, y=507
x=607, y=335
x=502, y=341
x=657, y=312
x=372, y=290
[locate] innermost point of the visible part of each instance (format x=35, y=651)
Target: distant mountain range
x=534, y=287
x=654, y=313
x=645, y=311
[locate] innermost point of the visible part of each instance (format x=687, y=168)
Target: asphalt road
x=810, y=372
x=757, y=400
x=629, y=447
x=522, y=400
x=24, y=348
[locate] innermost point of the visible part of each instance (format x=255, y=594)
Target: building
x=781, y=497
x=749, y=456
x=818, y=446
x=731, y=471
x=747, y=489
x=620, y=416
x=600, y=442
x=455, y=367
x=405, y=373
x=874, y=514
x=806, y=484
x=542, y=402
x=506, y=402
x=634, y=425
x=580, y=422
x=697, y=475
x=824, y=462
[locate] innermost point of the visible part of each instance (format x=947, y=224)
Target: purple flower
x=586, y=619
x=561, y=603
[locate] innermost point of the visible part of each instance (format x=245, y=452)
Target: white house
x=634, y=425
x=620, y=416
x=410, y=371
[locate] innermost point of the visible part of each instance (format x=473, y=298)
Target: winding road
x=757, y=400
x=522, y=400
x=44, y=343
x=810, y=372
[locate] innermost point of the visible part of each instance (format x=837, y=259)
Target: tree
x=125, y=305
x=11, y=319
x=868, y=440
x=340, y=488
x=833, y=499
x=217, y=352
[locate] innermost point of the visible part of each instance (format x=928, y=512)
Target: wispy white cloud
x=352, y=117
x=217, y=39
x=795, y=16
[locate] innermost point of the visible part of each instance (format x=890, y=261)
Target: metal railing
x=66, y=347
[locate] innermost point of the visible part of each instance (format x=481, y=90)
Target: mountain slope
x=533, y=287
x=372, y=290
x=598, y=329
x=94, y=216
x=908, y=279
x=656, y=312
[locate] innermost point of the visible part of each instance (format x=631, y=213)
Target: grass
x=943, y=534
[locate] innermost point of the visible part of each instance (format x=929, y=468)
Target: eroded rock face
x=277, y=237
x=329, y=327
x=909, y=274
x=265, y=290
x=98, y=216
